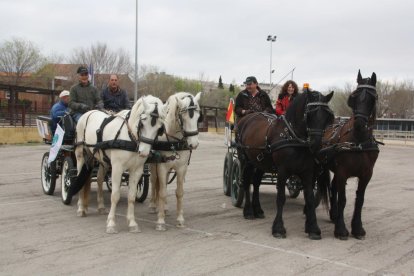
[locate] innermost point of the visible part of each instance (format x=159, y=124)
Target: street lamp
x=271, y=39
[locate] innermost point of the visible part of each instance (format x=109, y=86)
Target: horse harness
x=129, y=145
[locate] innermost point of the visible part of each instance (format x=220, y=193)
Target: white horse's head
x=150, y=122
x=188, y=116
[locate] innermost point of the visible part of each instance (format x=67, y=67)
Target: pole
x=136, y=53
x=270, y=68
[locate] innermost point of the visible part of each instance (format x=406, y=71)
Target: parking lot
x=41, y=236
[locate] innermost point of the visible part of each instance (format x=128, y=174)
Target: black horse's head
x=310, y=114
x=363, y=102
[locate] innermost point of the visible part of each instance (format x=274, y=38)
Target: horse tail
x=324, y=180
x=80, y=180
x=156, y=186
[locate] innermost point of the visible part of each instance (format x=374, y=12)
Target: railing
x=394, y=135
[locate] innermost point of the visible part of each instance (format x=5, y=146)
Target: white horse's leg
x=153, y=178
x=80, y=161
x=179, y=193
x=162, y=197
x=99, y=179
x=115, y=196
x=134, y=176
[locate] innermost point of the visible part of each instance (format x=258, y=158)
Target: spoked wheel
x=294, y=185
x=228, y=162
x=143, y=186
x=237, y=191
x=67, y=177
x=48, y=175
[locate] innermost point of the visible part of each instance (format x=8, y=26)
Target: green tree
x=220, y=84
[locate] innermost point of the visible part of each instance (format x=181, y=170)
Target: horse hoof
x=359, y=237
x=180, y=225
x=260, y=215
x=314, y=236
x=81, y=214
x=134, y=229
x=102, y=211
x=279, y=235
x=249, y=217
x=341, y=237
x=160, y=227
x=152, y=210
x=111, y=230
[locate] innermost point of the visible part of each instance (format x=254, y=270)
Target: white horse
x=182, y=113
x=132, y=134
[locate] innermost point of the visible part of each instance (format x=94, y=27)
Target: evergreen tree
x=220, y=84
x=231, y=88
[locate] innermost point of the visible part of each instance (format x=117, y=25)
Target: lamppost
x=271, y=39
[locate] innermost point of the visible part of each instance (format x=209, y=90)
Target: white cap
x=64, y=93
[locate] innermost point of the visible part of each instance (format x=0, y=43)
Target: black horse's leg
x=333, y=196
x=340, y=229
x=257, y=179
x=311, y=225
x=247, y=176
x=278, y=228
x=357, y=229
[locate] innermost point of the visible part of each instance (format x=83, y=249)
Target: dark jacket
x=84, y=98
x=115, y=101
x=244, y=99
x=57, y=111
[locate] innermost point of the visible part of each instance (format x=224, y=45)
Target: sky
x=324, y=41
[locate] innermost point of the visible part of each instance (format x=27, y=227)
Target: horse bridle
x=154, y=116
x=313, y=107
x=371, y=90
x=190, y=109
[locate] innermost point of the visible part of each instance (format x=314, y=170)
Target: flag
x=230, y=113
x=56, y=144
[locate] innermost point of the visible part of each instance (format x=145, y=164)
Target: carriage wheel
x=237, y=191
x=294, y=185
x=67, y=177
x=228, y=162
x=48, y=175
x=143, y=185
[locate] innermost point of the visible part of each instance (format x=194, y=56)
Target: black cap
x=250, y=79
x=82, y=70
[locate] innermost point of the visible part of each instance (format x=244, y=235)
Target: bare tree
x=103, y=59
x=19, y=57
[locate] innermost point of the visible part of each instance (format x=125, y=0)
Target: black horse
x=285, y=145
x=350, y=150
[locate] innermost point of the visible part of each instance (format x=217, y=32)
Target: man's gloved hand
x=85, y=108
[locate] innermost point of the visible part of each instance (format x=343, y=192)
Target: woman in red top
x=286, y=95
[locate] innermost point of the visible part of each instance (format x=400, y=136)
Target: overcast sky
x=327, y=41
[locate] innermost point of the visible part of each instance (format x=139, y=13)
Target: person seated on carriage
x=114, y=98
x=287, y=94
x=84, y=96
x=59, y=109
x=252, y=99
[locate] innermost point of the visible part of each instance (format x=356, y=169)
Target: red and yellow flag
x=230, y=113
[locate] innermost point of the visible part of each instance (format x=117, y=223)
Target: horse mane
x=296, y=110
x=171, y=109
x=137, y=108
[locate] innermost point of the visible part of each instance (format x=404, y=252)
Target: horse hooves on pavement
x=81, y=214
x=314, y=236
x=180, y=225
x=249, y=217
x=111, y=230
x=259, y=216
x=152, y=210
x=161, y=227
x=279, y=235
x=102, y=211
x=359, y=237
x=134, y=229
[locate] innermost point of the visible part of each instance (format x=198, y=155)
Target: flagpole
x=136, y=53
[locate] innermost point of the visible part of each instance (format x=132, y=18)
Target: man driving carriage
x=252, y=99
x=84, y=96
x=113, y=97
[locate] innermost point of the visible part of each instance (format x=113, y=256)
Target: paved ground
x=41, y=236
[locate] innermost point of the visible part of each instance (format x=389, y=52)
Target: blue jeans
x=76, y=116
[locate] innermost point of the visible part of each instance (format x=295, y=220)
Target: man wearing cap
x=59, y=109
x=113, y=97
x=84, y=96
x=252, y=99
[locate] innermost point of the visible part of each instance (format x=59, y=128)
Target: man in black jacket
x=252, y=99
x=113, y=97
